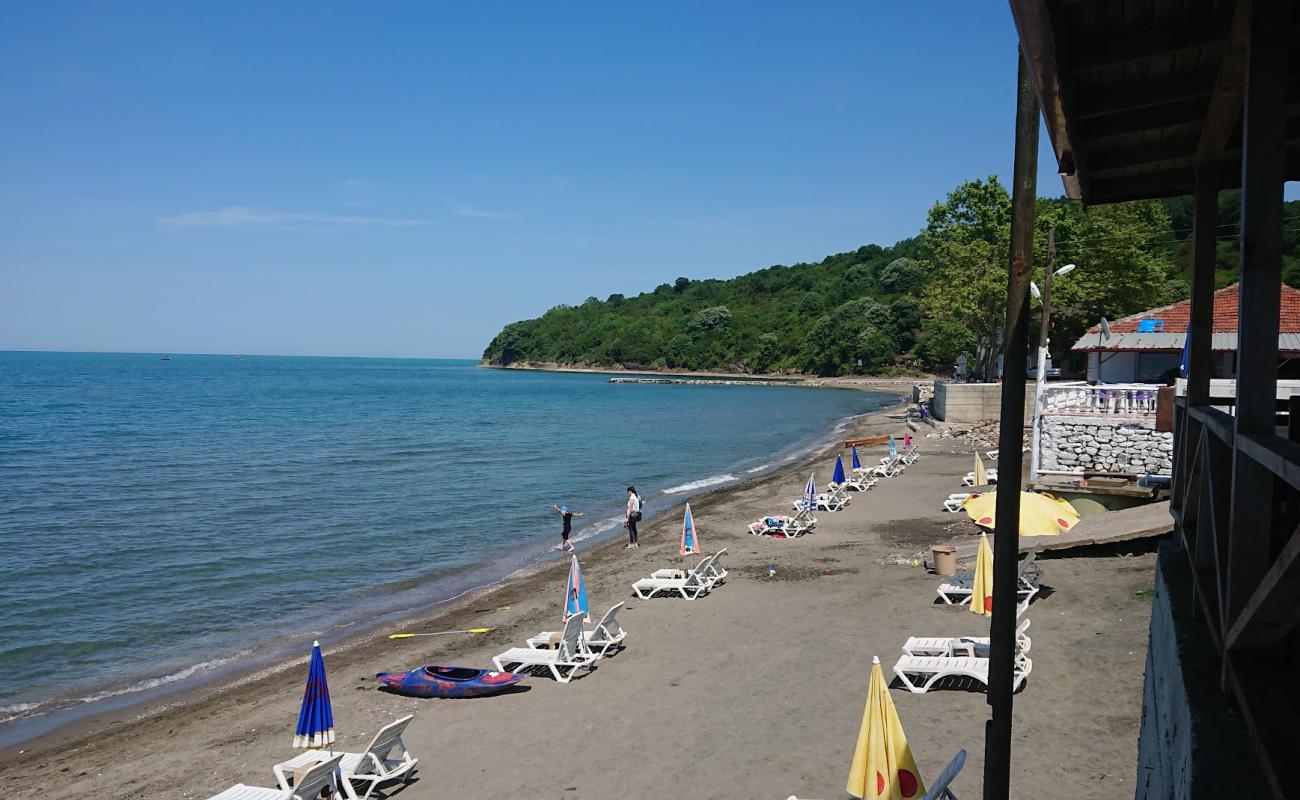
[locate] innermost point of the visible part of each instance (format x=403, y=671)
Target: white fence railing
x=1122, y=399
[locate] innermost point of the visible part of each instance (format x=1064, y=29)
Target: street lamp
x=1040, y=379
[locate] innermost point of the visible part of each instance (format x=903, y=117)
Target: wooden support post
x=1205, y=209
x=1006, y=534
x=1201, y=326
x=1262, y=167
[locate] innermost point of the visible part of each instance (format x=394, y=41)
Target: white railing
x=1107, y=399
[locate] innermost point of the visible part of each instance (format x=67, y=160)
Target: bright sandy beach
x=753, y=691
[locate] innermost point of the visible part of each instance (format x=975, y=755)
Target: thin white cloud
x=244, y=217
x=469, y=212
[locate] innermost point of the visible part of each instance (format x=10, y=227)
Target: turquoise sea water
x=160, y=519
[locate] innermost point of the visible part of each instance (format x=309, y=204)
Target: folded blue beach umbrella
x=893, y=449
x=838, y=477
x=575, y=593
x=810, y=493
x=857, y=464
x=316, y=719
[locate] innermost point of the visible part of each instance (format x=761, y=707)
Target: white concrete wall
x=968, y=403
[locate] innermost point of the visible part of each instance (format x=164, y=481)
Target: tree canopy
x=924, y=301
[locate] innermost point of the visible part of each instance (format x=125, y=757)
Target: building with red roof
x=1147, y=347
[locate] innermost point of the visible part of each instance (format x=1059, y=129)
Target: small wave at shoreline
x=702, y=483
x=20, y=711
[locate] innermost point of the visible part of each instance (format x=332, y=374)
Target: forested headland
x=917, y=304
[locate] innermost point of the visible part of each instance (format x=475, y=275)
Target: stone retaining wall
x=1106, y=444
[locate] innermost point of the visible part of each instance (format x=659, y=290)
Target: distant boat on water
x=165, y=358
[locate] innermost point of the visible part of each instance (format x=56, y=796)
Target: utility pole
x=1040, y=379
x=1006, y=530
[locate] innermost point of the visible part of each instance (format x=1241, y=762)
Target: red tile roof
x=1176, y=316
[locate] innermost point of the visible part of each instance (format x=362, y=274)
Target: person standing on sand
x=633, y=516
x=568, y=516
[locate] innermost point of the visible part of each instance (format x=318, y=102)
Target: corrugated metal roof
x=1286, y=342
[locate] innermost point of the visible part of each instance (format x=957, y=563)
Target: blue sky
x=404, y=178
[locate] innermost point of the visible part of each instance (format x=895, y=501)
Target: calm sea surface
x=160, y=519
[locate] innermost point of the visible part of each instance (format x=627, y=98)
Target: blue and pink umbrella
x=575, y=594
x=316, y=718
x=690, y=544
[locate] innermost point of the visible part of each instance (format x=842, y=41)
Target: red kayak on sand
x=439, y=681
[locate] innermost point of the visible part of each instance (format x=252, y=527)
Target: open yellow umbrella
x=883, y=767
x=981, y=598
x=1040, y=514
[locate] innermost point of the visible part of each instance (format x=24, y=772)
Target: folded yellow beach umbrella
x=981, y=474
x=883, y=767
x=981, y=598
x=1040, y=514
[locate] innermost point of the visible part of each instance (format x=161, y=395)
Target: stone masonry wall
x=1108, y=444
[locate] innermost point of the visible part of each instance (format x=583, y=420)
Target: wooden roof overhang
x=1139, y=94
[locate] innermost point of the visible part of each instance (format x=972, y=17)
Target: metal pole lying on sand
x=1006, y=532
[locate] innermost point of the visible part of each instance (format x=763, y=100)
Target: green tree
x=904, y=320
x=966, y=240
x=708, y=319
x=902, y=275
x=768, y=352
x=942, y=342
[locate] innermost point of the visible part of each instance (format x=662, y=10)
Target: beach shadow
x=384, y=792
x=1123, y=549
x=954, y=683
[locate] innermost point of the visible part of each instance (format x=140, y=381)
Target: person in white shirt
x=633, y=516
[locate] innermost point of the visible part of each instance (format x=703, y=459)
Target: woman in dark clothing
x=568, y=516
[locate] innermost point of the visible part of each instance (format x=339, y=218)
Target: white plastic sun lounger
x=955, y=500
x=834, y=500
x=919, y=674
x=958, y=594
x=961, y=645
x=969, y=478
x=713, y=571
x=889, y=467
x=691, y=585
x=572, y=655
x=910, y=456
x=789, y=527
x=318, y=778
x=860, y=483
x=607, y=634
x=384, y=759
x=853, y=482
x=1028, y=573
